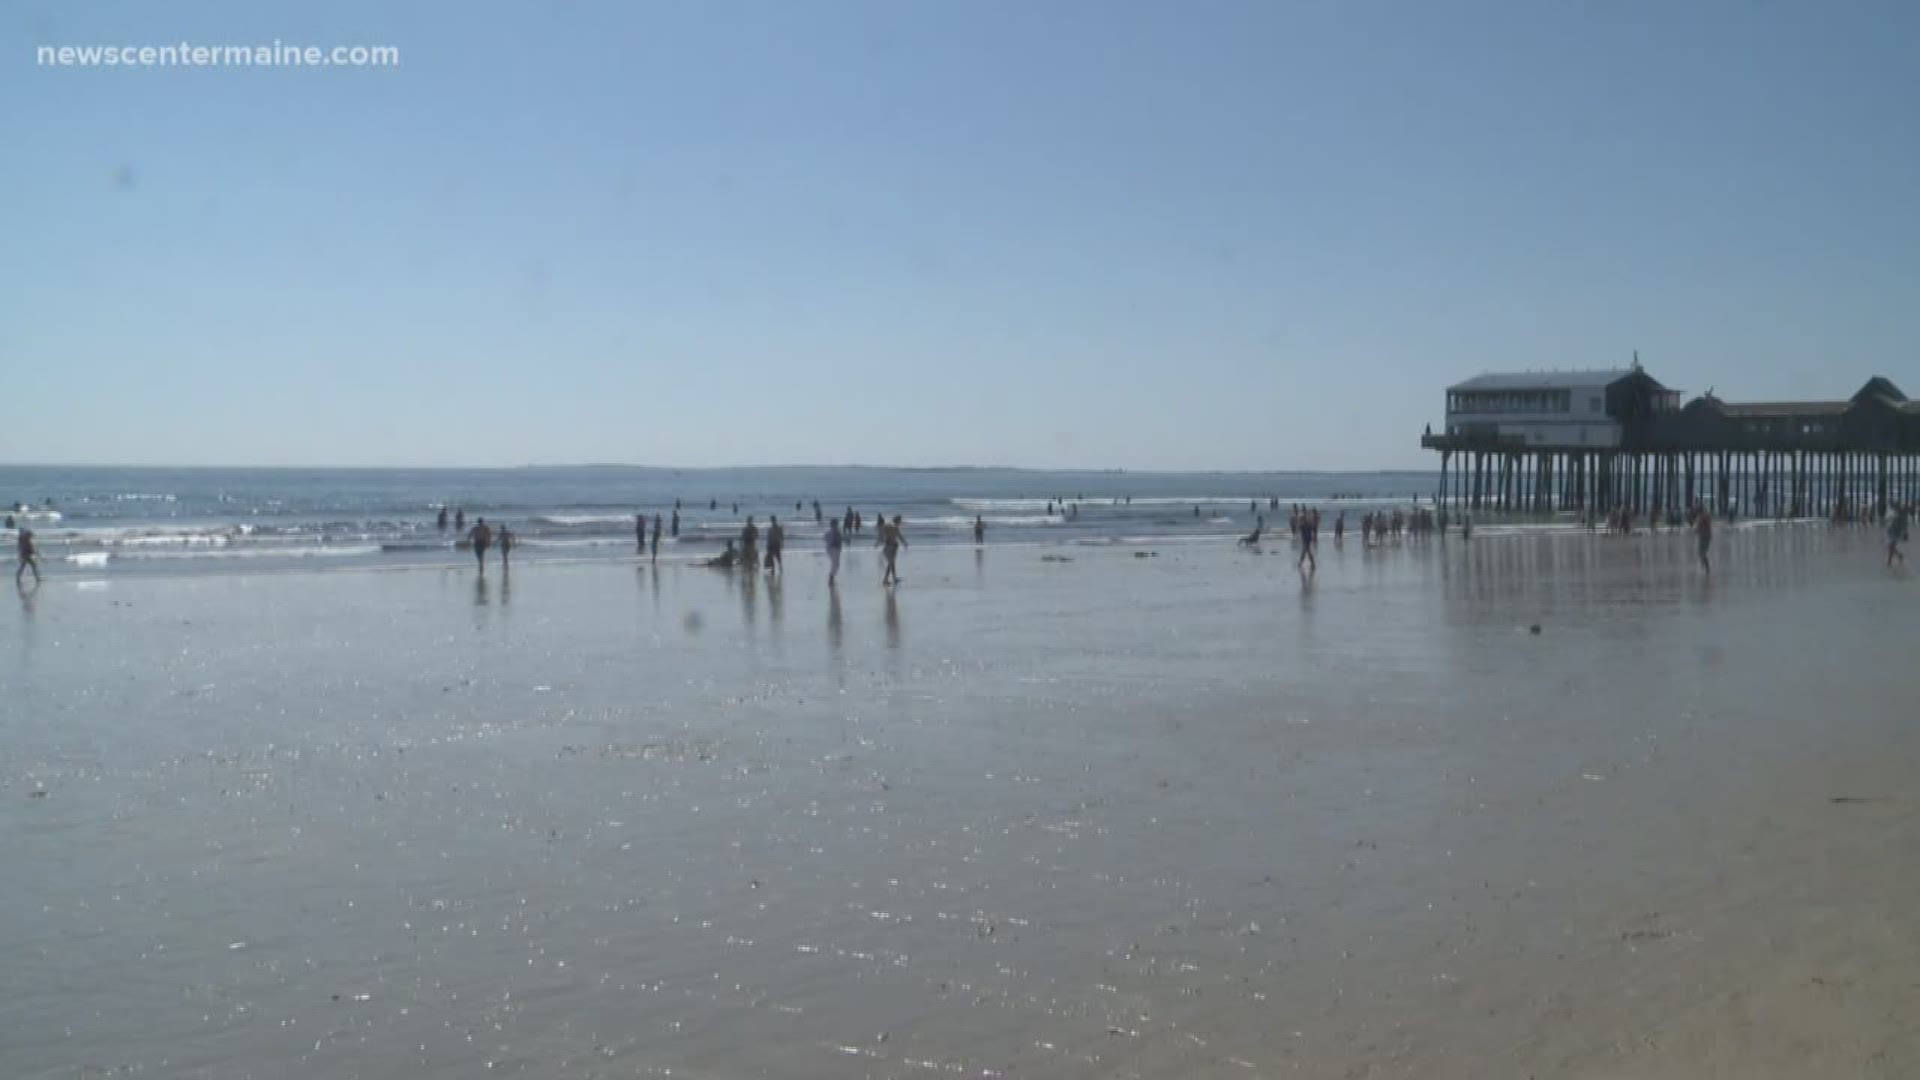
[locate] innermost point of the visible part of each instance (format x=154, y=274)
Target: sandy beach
x=1151, y=810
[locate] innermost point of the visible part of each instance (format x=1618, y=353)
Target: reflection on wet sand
x=749, y=582
x=1103, y=817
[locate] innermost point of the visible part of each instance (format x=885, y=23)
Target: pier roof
x=1783, y=408
x=1545, y=380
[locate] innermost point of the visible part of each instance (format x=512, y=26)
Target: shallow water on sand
x=1107, y=816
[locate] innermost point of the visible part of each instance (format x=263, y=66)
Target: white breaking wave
x=171, y=540
x=583, y=542
x=960, y=522
x=324, y=551
x=979, y=505
x=587, y=519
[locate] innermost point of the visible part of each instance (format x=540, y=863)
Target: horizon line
x=1108, y=471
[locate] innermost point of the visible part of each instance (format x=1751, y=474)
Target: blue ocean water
x=125, y=520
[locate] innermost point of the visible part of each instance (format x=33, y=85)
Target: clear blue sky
x=1050, y=233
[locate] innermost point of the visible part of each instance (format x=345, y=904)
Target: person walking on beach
x=29, y=555
x=506, y=545
x=1703, y=531
x=656, y=538
x=482, y=538
x=750, y=542
x=1896, y=534
x=776, y=546
x=892, y=540
x=1309, y=536
x=441, y=524
x=979, y=530
x=1339, y=526
x=834, y=542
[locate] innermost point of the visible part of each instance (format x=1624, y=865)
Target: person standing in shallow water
x=834, y=542
x=460, y=520
x=640, y=533
x=776, y=546
x=676, y=524
x=441, y=523
x=656, y=538
x=891, y=541
x=1703, y=532
x=506, y=545
x=29, y=555
x=750, y=543
x=979, y=530
x=482, y=538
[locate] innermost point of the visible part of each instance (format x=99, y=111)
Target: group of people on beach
x=890, y=537
x=1303, y=524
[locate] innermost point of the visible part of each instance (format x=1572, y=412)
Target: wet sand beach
x=1056, y=811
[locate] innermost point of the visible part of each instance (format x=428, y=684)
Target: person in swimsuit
x=656, y=538
x=482, y=538
x=676, y=523
x=29, y=555
x=1309, y=534
x=834, y=542
x=1253, y=538
x=460, y=520
x=1703, y=530
x=750, y=542
x=979, y=530
x=441, y=523
x=776, y=546
x=892, y=540
x=726, y=559
x=640, y=533
x=506, y=545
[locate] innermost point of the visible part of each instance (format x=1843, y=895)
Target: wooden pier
x=1510, y=446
